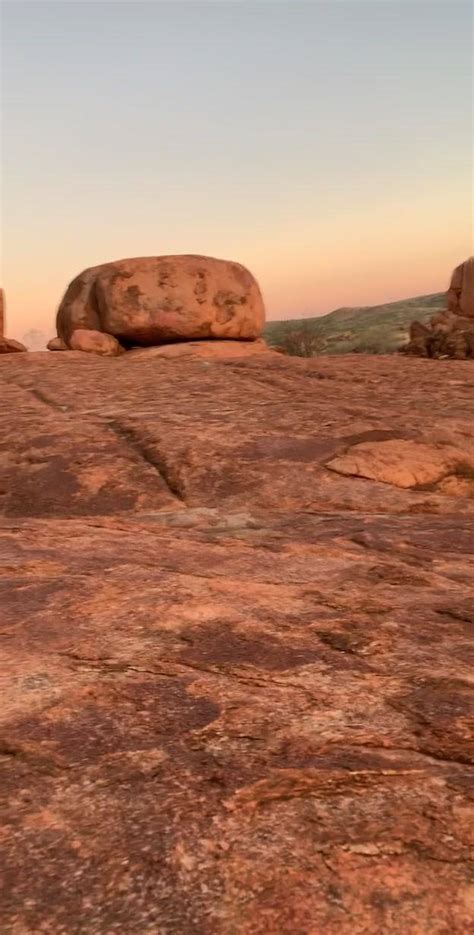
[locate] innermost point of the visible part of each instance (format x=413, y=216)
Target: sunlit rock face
x=450, y=333
x=155, y=300
x=7, y=345
x=461, y=289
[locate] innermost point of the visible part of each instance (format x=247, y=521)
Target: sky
x=325, y=145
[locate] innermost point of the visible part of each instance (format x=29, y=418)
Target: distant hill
x=377, y=329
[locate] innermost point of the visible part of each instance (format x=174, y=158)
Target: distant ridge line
x=372, y=329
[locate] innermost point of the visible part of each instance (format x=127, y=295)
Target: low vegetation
x=380, y=329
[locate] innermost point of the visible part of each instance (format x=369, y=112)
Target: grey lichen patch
x=117, y=274
x=225, y=314
x=165, y=277
x=227, y=299
x=133, y=297
x=200, y=287
x=227, y=303
x=170, y=305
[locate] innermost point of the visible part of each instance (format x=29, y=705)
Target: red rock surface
x=153, y=300
x=57, y=344
x=446, y=335
x=94, y=342
x=450, y=333
x=237, y=683
x=206, y=349
x=10, y=346
x=461, y=289
x=7, y=345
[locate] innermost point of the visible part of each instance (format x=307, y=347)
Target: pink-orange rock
x=152, y=300
x=418, y=330
x=450, y=332
x=94, y=342
x=458, y=485
x=448, y=335
x=210, y=349
x=442, y=321
x=57, y=344
x=9, y=346
x=236, y=690
x=461, y=289
x=404, y=463
x=460, y=323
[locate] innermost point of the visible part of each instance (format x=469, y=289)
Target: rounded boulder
x=9, y=346
x=461, y=289
x=56, y=344
x=156, y=300
x=95, y=342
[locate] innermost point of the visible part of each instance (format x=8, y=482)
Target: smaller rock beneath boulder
x=57, y=344
x=9, y=346
x=218, y=349
x=95, y=342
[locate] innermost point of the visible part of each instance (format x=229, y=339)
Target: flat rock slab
x=237, y=691
x=204, y=349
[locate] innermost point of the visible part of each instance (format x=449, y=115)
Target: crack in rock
x=151, y=457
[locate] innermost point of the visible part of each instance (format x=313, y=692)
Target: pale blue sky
x=326, y=145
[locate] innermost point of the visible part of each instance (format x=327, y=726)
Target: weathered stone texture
x=450, y=333
x=237, y=645
x=155, y=300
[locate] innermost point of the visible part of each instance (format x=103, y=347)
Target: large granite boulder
x=156, y=300
x=461, y=289
x=449, y=333
x=7, y=345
